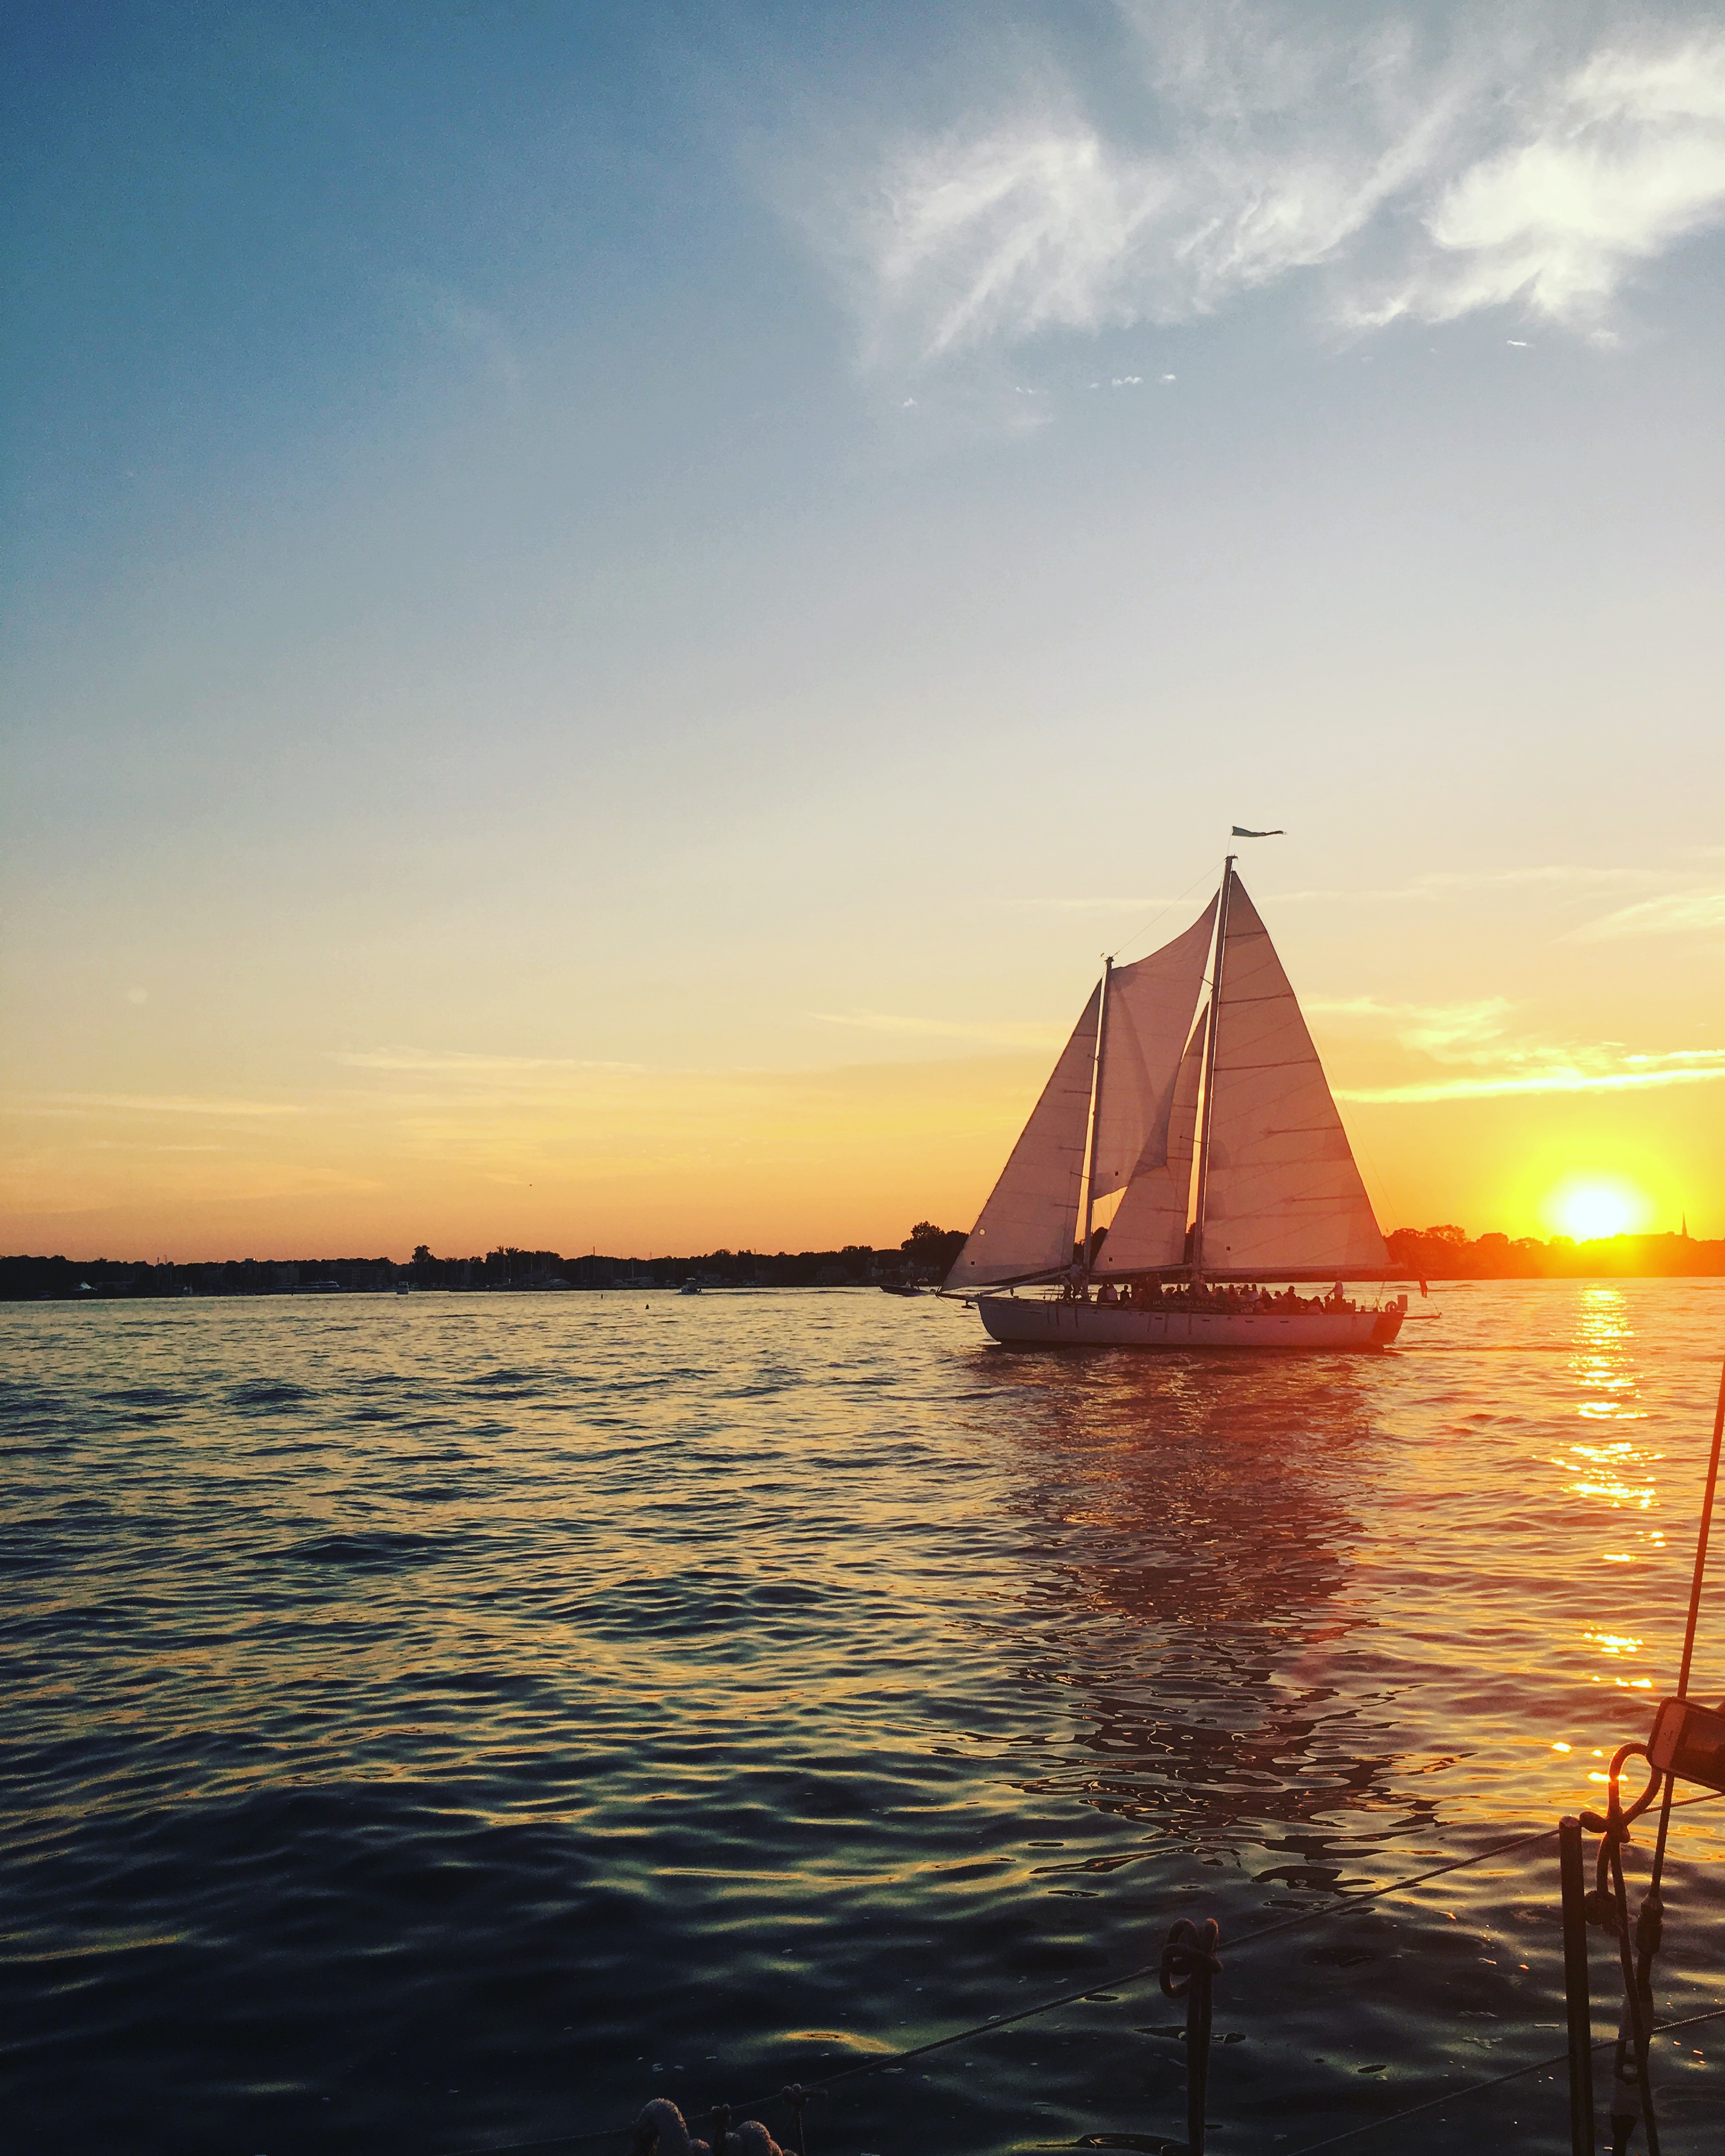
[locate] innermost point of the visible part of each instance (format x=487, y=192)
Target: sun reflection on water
x=1616, y=1643
x=1606, y=1464
x=1619, y=1473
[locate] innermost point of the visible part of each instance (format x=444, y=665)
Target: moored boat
x=1211, y=1139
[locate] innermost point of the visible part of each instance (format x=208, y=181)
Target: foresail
x=1028, y=1225
x=1281, y=1190
x=1149, y=1229
x=1144, y=1029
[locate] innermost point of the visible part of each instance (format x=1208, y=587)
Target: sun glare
x=1590, y=1207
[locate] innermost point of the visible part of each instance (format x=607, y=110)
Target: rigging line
x=887, y=2059
x=1391, y=1204
x=1153, y=1967
x=1702, y=1534
x=1638, y=1977
x=1179, y=898
x=1372, y=2126
x=1515, y=2074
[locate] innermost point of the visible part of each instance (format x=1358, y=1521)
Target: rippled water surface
x=436, y=1722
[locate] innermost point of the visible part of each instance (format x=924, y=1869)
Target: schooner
x=1221, y=1116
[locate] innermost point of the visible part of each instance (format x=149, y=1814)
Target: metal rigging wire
x=886, y=2060
x=1497, y=2081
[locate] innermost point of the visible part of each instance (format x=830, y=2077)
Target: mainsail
x=1279, y=1195
x=1144, y=1025
x=1280, y=1192
x=1026, y=1229
x=1148, y=1233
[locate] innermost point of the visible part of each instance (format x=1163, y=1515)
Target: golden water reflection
x=1619, y=1473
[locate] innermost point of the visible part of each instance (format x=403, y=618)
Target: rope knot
x=1189, y=1949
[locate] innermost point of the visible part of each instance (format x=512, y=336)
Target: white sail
x=1149, y=1229
x=1281, y=1192
x=1145, y=1023
x=1030, y=1223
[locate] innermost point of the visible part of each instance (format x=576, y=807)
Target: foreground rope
x=1497, y=2081
x=1189, y=1966
x=886, y=2060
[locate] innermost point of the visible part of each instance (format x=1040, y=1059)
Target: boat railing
x=1185, y=1968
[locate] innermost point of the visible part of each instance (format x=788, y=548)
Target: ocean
x=443, y=1721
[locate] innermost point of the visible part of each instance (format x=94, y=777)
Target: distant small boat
x=690, y=1287
x=1221, y=1116
x=899, y=1287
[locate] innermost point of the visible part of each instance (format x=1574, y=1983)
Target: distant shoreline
x=105, y=1292
x=1443, y=1254
x=1446, y=1254
x=925, y=1257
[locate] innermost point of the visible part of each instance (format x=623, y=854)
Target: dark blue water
x=434, y=1723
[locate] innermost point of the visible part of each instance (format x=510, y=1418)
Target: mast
x=1095, y=1111
x=1209, y=1072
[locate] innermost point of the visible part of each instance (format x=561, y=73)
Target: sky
x=607, y=611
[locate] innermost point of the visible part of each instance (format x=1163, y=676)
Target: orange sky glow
x=1462, y=1109
x=609, y=686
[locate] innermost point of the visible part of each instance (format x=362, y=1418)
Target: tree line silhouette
x=926, y=1253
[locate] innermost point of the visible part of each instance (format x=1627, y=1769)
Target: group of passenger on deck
x=1245, y=1299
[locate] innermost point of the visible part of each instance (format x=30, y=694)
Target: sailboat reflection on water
x=1223, y=1115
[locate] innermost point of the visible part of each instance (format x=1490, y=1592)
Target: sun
x=1591, y=1207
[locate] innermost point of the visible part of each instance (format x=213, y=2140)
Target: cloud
x=1558, y=1079
x=159, y=1104
x=1529, y=157
x=1625, y=158
x=1090, y=905
x=1002, y=1035
x=456, y=1061
x=1679, y=912
x=1442, y=880
x=1442, y=883
x=1443, y=1030
x=1486, y=1060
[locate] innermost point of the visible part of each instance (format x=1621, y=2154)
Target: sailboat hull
x=1032, y=1322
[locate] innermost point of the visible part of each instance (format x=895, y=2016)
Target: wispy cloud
x=1557, y=1078
x=1486, y=1057
x=1536, y=157
x=1435, y=884
x=1444, y=1031
x=1090, y=905
x=1679, y=912
x=1443, y=883
x=1614, y=165
x=456, y=1061
x=1437, y=880
x=155, y=1104
x=1002, y=1036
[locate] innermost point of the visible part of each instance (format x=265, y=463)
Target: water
x=440, y=1721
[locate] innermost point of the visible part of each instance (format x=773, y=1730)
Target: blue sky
x=565, y=573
